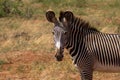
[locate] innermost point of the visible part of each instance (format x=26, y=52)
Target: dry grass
x=27, y=49
x=27, y=65
x=22, y=34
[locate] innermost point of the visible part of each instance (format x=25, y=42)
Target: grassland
x=27, y=49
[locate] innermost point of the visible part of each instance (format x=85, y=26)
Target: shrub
x=115, y=4
x=14, y=7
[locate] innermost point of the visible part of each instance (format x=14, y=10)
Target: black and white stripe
x=90, y=49
x=87, y=45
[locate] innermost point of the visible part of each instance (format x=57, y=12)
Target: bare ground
x=27, y=65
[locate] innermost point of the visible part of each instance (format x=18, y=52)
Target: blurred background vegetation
x=23, y=27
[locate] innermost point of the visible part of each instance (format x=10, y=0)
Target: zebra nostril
x=59, y=57
x=62, y=56
x=56, y=56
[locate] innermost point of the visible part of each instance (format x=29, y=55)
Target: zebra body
x=90, y=49
x=106, y=50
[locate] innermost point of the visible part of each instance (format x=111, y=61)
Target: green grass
x=2, y=62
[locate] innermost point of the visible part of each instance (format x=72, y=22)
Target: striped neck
x=77, y=31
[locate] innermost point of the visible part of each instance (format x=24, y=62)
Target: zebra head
x=59, y=33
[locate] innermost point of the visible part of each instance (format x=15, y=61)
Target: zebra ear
x=66, y=17
x=61, y=16
x=50, y=15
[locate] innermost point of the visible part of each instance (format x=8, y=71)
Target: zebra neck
x=73, y=46
x=78, y=30
x=75, y=40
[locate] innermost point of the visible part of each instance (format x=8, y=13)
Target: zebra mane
x=70, y=18
x=94, y=29
x=87, y=25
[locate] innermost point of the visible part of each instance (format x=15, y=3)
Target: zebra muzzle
x=59, y=57
x=59, y=54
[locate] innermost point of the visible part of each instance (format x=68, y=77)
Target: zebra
x=90, y=49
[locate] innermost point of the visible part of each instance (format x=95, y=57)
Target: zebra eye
x=65, y=32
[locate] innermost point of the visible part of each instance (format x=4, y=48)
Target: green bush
x=8, y=7
x=115, y=4
x=14, y=7
x=61, y=3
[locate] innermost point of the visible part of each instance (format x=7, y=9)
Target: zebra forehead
x=59, y=28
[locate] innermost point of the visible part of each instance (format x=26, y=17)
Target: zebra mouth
x=59, y=57
x=59, y=54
